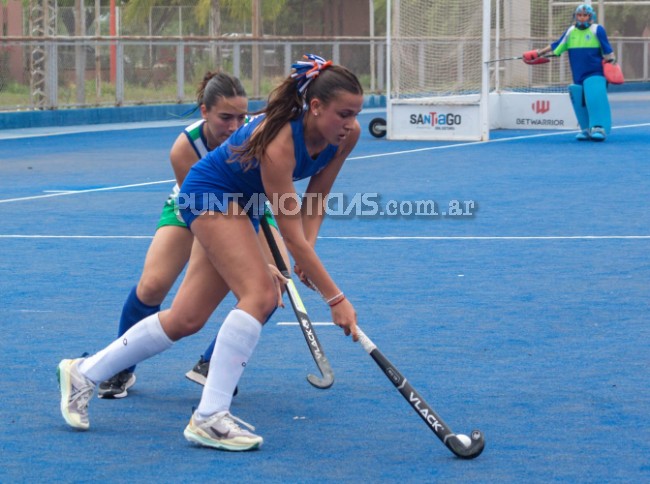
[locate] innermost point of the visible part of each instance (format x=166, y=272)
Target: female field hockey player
x=307, y=130
x=223, y=105
x=588, y=47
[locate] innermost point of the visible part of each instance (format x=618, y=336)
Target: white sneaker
x=76, y=391
x=221, y=431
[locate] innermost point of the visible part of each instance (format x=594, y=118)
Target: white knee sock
x=236, y=342
x=144, y=340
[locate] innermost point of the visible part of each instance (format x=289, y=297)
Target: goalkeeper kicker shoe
x=583, y=136
x=76, y=391
x=222, y=431
x=117, y=385
x=597, y=134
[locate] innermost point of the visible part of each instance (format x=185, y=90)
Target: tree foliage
x=137, y=11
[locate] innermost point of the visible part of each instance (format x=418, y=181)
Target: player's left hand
x=280, y=282
x=532, y=58
x=303, y=277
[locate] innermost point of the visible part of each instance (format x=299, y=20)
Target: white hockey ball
x=464, y=439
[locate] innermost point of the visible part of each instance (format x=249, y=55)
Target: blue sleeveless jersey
x=218, y=178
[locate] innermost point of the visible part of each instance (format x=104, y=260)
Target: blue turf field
x=528, y=320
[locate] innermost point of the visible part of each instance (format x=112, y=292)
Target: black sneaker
x=117, y=386
x=199, y=374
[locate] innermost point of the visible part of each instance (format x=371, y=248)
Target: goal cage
x=441, y=85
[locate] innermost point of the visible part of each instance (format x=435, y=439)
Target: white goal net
x=436, y=75
x=523, y=96
x=440, y=85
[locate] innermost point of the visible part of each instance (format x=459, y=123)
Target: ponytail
x=309, y=80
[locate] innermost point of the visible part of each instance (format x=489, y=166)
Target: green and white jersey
x=170, y=214
x=195, y=136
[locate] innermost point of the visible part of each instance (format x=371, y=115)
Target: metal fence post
x=236, y=60
x=180, y=72
x=52, y=75
x=119, y=74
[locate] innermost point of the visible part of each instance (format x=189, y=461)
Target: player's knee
x=152, y=290
x=269, y=303
x=595, y=89
x=185, y=325
x=264, y=303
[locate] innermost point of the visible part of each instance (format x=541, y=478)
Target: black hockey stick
x=435, y=423
x=301, y=313
x=505, y=59
x=542, y=59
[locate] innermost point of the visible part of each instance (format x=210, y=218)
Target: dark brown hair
x=217, y=85
x=285, y=104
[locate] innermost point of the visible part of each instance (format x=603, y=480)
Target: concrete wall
x=124, y=114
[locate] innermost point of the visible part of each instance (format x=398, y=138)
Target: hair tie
x=305, y=71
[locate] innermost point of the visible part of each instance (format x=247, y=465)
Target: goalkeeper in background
x=588, y=47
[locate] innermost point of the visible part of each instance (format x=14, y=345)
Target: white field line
x=56, y=193
x=367, y=237
x=295, y=323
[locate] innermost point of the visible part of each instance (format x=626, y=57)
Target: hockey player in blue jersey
x=223, y=104
x=588, y=47
x=306, y=131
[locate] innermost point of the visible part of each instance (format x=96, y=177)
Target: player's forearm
x=311, y=213
x=306, y=258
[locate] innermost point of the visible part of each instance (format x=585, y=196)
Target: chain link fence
x=84, y=72
x=66, y=59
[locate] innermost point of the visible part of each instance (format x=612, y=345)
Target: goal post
x=440, y=85
x=523, y=96
x=437, y=75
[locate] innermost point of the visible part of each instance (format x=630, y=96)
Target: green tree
x=137, y=11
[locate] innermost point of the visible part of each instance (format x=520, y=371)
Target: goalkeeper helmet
x=588, y=10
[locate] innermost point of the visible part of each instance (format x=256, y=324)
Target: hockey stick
x=539, y=60
x=504, y=59
x=301, y=313
x=443, y=432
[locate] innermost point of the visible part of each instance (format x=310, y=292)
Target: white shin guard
x=144, y=340
x=235, y=344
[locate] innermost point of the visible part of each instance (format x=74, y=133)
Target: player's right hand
x=280, y=282
x=530, y=56
x=344, y=315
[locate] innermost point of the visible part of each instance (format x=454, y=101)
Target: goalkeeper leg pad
x=595, y=91
x=579, y=107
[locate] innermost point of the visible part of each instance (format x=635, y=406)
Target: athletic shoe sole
x=195, y=377
x=191, y=436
